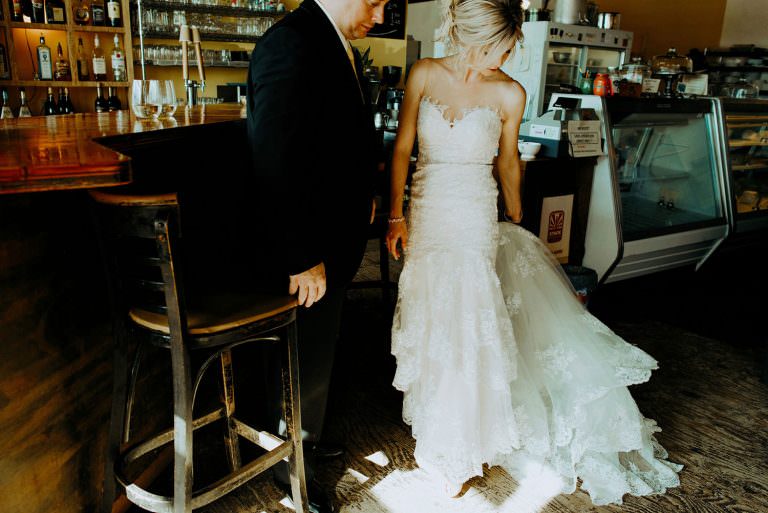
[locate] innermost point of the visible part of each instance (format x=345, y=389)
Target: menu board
x=394, y=21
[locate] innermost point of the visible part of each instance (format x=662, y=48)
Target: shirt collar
x=344, y=42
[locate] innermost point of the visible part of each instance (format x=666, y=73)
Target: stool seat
x=218, y=312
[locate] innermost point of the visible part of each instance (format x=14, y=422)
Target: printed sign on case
x=555, y=226
x=584, y=137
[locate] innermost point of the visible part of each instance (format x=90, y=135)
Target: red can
x=601, y=85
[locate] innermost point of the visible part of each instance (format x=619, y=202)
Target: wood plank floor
x=706, y=396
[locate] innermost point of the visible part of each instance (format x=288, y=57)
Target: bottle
x=113, y=102
x=5, y=70
x=37, y=14
x=82, y=62
x=44, y=64
x=24, y=111
x=82, y=13
x=49, y=107
x=65, y=103
x=61, y=106
x=101, y=103
x=26, y=11
x=98, y=62
x=97, y=13
x=118, y=61
x=16, y=10
x=114, y=14
x=63, y=71
x=55, y=12
x=6, y=112
x=600, y=87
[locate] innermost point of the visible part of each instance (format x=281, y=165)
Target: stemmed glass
x=146, y=99
x=168, y=99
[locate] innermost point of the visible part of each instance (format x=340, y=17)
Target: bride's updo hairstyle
x=490, y=27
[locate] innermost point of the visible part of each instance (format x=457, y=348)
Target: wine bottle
x=118, y=61
x=113, y=102
x=82, y=13
x=97, y=13
x=61, y=106
x=5, y=70
x=5, y=112
x=82, y=62
x=101, y=103
x=98, y=62
x=55, y=11
x=17, y=14
x=63, y=71
x=65, y=102
x=38, y=12
x=114, y=14
x=49, y=106
x=24, y=111
x=44, y=64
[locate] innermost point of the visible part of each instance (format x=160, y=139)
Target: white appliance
x=552, y=54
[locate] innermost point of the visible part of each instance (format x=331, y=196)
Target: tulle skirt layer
x=501, y=364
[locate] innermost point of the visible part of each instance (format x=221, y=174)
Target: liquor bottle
x=63, y=71
x=49, y=107
x=101, y=103
x=5, y=70
x=6, y=112
x=65, y=103
x=82, y=62
x=44, y=64
x=118, y=61
x=38, y=12
x=114, y=14
x=16, y=10
x=26, y=11
x=98, y=62
x=55, y=11
x=82, y=13
x=113, y=102
x=61, y=106
x=24, y=111
x=98, y=17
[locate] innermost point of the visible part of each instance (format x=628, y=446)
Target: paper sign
x=651, y=85
x=693, y=85
x=584, y=138
x=555, y=226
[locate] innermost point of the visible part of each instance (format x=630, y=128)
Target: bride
x=499, y=362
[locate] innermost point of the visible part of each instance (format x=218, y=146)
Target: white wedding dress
x=499, y=362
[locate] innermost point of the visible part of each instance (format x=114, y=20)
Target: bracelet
x=393, y=220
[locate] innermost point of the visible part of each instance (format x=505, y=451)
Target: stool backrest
x=140, y=239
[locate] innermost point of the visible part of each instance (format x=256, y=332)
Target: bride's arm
x=401, y=155
x=508, y=161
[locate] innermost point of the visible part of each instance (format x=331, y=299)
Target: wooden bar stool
x=140, y=238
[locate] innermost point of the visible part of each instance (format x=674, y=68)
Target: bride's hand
x=397, y=231
x=514, y=217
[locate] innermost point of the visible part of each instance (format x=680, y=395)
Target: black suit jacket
x=313, y=147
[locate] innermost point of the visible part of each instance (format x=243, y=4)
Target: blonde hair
x=475, y=24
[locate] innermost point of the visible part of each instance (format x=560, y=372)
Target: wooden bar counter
x=55, y=328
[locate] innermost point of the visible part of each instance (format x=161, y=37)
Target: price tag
x=651, y=85
x=584, y=138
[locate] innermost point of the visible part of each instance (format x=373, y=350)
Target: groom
x=313, y=143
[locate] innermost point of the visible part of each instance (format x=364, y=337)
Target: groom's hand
x=310, y=285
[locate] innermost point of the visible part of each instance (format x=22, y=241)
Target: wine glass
x=168, y=100
x=146, y=99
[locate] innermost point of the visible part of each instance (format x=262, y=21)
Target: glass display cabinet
x=660, y=194
x=746, y=124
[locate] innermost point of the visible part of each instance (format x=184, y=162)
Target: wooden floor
x=706, y=396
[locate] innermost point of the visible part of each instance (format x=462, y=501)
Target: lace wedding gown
x=499, y=362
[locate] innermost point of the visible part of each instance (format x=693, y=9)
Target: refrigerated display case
x=660, y=195
x=554, y=54
x=746, y=125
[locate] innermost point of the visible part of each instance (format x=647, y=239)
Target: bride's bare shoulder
x=511, y=96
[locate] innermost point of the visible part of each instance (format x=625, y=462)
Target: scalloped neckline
x=464, y=112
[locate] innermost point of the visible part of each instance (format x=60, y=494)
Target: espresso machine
x=389, y=98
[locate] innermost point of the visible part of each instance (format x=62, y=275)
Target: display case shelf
x=220, y=10
x=750, y=167
x=206, y=36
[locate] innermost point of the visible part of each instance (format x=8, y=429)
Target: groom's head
x=356, y=17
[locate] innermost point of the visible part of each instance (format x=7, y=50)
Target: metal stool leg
x=182, y=428
x=292, y=416
x=231, y=441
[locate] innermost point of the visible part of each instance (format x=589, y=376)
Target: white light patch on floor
x=287, y=502
x=417, y=491
x=359, y=477
x=379, y=458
